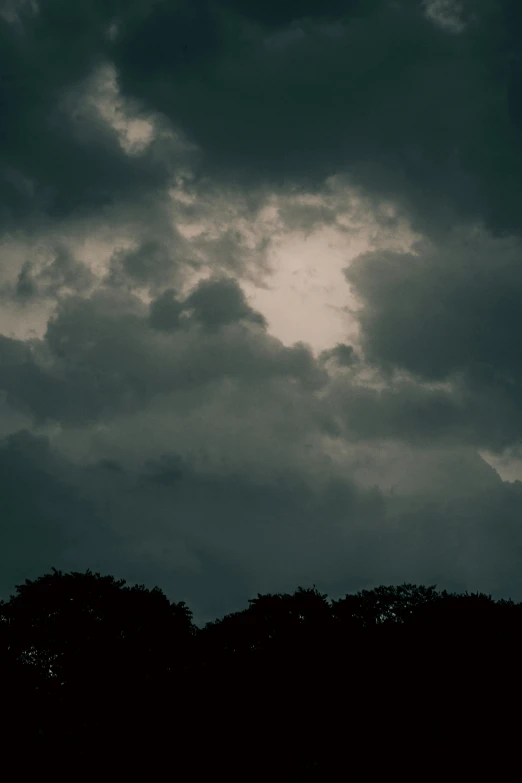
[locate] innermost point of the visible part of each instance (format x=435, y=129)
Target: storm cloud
x=182, y=186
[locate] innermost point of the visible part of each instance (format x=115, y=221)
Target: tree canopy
x=92, y=668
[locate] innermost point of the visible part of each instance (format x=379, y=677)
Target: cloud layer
x=159, y=162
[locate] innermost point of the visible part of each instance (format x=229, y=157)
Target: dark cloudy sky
x=261, y=294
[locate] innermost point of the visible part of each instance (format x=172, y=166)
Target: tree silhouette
x=381, y=605
x=294, y=686
x=90, y=640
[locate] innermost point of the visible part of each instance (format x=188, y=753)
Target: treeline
x=95, y=673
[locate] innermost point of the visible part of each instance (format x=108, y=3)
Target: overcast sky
x=261, y=294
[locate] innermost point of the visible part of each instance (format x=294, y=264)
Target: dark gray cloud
x=449, y=312
x=105, y=355
x=26, y=287
x=58, y=157
x=44, y=519
x=154, y=428
x=401, y=410
x=279, y=92
x=444, y=308
x=243, y=492
x=215, y=540
x=152, y=263
x=165, y=311
x=216, y=303
x=36, y=281
x=342, y=354
x=295, y=94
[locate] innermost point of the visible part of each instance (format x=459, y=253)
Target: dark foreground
x=100, y=679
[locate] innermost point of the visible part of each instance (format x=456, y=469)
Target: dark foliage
x=98, y=676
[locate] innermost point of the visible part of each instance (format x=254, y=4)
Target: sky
x=260, y=285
